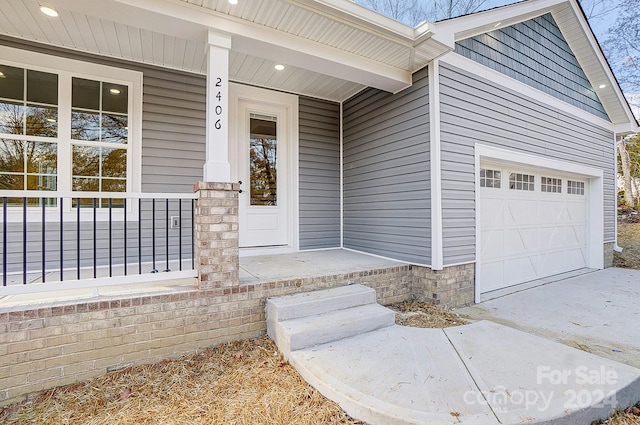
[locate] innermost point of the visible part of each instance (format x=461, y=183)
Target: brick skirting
x=52, y=346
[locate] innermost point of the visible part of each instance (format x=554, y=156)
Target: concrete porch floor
x=297, y=265
x=253, y=270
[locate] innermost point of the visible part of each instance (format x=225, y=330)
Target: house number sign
x=218, y=109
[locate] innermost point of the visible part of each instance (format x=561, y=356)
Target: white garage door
x=533, y=224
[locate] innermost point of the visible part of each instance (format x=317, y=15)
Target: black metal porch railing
x=56, y=236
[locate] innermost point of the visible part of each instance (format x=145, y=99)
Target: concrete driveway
x=597, y=312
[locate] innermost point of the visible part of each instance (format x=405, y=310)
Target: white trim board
x=437, y=250
x=507, y=82
x=595, y=243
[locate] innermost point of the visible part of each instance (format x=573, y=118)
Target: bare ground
x=629, y=239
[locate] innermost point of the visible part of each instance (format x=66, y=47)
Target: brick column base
x=216, y=231
x=450, y=287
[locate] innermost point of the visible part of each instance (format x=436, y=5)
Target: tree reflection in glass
x=263, y=162
x=98, y=169
x=27, y=165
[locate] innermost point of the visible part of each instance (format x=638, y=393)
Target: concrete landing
x=483, y=373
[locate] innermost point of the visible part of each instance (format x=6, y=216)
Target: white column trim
x=216, y=167
x=437, y=256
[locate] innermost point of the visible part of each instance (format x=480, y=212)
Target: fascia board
x=351, y=12
x=478, y=23
x=604, y=64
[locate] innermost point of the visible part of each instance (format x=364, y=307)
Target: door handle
x=240, y=182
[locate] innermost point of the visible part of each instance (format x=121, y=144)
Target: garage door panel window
x=490, y=178
x=575, y=187
x=551, y=185
x=518, y=181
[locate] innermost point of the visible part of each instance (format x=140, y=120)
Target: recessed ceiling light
x=114, y=91
x=49, y=11
x=601, y=86
x=279, y=67
x=233, y=1
x=497, y=25
x=1, y=74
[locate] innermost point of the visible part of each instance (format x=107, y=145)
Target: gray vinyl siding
x=474, y=110
x=173, y=119
x=535, y=52
x=319, y=170
x=386, y=172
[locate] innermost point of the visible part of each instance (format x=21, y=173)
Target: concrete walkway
x=597, y=312
x=483, y=373
x=490, y=373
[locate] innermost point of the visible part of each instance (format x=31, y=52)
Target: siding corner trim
x=437, y=262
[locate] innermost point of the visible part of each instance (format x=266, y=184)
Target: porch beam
x=217, y=167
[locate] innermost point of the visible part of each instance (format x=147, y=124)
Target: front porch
x=318, y=269
x=68, y=336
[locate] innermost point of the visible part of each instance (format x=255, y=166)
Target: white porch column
x=216, y=167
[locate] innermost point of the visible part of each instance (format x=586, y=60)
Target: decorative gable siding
x=474, y=110
x=319, y=167
x=386, y=172
x=535, y=53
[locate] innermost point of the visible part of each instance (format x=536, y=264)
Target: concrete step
x=309, y=331
x=318, y=302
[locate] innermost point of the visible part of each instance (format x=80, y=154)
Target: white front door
x=262, y=161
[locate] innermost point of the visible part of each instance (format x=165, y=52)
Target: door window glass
x=263, y=147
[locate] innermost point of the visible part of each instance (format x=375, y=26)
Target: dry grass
x=629, y=416
x=629, y=239
x=244, y=382
x=423, y=315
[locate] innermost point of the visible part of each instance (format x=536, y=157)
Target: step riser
x=318, y=302
x=340, y=330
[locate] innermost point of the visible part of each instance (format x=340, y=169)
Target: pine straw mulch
x=244, y=382
x=629, y=416
x=423, y=315
x=629, y=239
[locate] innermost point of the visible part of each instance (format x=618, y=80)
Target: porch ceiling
x=332, y=49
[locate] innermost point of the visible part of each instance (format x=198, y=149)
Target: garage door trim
x=595, y=236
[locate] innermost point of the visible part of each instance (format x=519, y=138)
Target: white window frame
x=66, y=69
x=554, y=187
x=575, y=187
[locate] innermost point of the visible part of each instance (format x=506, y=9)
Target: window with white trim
x=28, y=129
x=66, y=131
x=551, y=185
x=490, y=178
x=575, y=187
x=519, y=181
